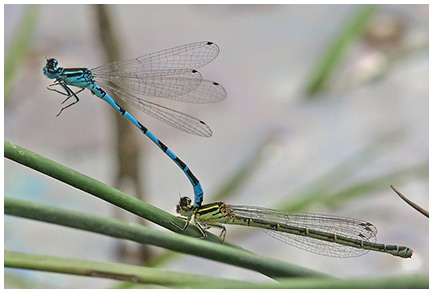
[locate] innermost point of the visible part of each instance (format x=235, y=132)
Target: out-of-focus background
x=327, y=105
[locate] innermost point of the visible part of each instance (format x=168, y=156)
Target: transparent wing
x=166, y=74
x=342, y=226
x=169, y=74
x=169, y=116
x=176, y=85
x=189, y=56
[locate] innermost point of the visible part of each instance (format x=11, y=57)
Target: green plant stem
x=400, y=282
x=130, y=273
x=144, y=275
x=144, y=235
x=100, y=190
x=395, y=282
x=336, y=50
x=20, y=46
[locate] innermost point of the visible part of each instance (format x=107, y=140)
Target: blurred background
x=327, y=106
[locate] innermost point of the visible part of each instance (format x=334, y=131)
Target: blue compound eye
x=51, y=66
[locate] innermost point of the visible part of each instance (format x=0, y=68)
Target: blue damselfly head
x=50, y=69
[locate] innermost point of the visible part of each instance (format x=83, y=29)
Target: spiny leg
x=68, y=92
x=187, y=221
x=219, y=226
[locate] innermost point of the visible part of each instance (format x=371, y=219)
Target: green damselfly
x=321, y=234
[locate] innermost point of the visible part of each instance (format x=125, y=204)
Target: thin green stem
x=338, y=47
x=144, y=235
x=16, y=52
x=130, y=273
x=99, y=189
x=145, y=275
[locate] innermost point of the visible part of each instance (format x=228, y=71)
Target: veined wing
x=184, y=86
x=189, y=56
x=340, y=226
x=169, y=116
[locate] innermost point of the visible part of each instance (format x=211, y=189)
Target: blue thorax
x=79, y=77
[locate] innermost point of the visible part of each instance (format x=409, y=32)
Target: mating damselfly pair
x=169, y=74
x=172, y=74
x=321, y=234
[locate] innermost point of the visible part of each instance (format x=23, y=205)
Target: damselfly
x=321, y=234
x=167, y=74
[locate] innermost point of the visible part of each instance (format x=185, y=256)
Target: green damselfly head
x=185, y=208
